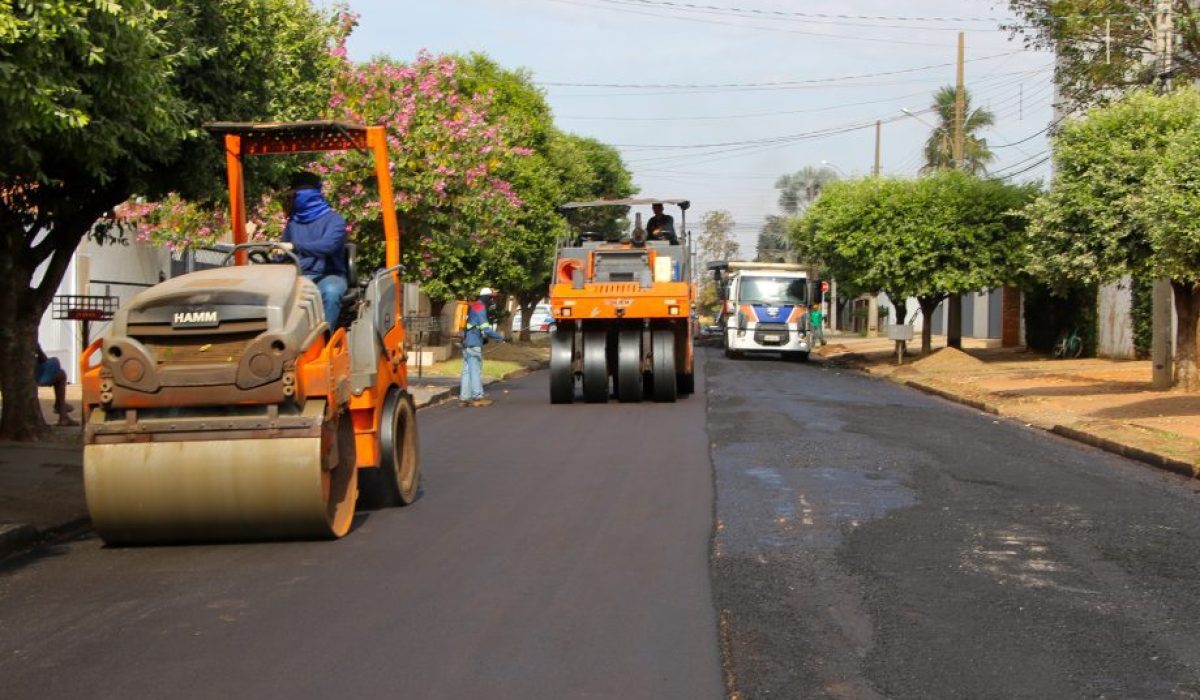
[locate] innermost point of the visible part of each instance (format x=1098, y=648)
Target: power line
x=693, y=7
x=821, y=35
x=772, y=84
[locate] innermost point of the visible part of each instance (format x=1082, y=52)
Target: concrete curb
x=941, y=393
x=1170, y=464
x=1176, y=466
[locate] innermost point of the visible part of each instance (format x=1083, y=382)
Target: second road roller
x=622, y=306
x=223, y=405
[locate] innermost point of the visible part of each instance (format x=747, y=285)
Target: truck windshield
x=773, y=290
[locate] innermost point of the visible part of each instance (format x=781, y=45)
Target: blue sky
x=722, y=143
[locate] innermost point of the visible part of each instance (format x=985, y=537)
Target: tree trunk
x=928, y=306
x=26, y=243
x=21, y=415
x=954, y=321
x=527, y=303
x=1187, y=310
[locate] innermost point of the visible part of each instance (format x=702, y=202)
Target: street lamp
x=914, y=115
x=835, y=167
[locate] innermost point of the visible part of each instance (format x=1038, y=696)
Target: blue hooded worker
x=317, y=235
x=477, y=332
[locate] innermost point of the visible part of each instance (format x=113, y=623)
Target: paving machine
x=623, y=314
x=222, y=405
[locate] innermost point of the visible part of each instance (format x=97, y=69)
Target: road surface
x=556, y=552
x=875, y=542
x=869, y=542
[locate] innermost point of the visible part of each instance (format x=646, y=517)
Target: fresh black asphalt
x=556, y=552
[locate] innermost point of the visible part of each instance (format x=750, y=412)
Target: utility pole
x=1161, y=345
x=954, y=303
x=878, y=140
x=960, y=106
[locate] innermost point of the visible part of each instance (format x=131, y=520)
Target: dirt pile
x=524, y=353
x=834, y=349
x=948, y=360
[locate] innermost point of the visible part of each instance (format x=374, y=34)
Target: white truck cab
x=765, y=308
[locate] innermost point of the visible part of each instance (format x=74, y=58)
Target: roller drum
x=230, y=489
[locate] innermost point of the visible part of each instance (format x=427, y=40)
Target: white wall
x=119, y=270
x=1113, y=302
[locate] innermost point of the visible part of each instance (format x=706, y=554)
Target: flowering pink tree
x=448, y=150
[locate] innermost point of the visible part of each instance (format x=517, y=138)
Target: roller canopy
x=681, y=203
x=293, y=137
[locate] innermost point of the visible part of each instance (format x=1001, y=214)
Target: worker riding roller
x=229, y=403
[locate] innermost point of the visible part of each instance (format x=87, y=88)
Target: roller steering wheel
x=259, y=256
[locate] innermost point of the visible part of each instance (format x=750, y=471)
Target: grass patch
x=453, y=368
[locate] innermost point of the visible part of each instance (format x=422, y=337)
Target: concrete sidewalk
x=1105, y=403
x=41, y=484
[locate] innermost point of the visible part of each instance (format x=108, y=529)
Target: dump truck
x=764, y=307
x=622, y=312
x=223, y=405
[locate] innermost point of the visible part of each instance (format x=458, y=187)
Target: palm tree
x=939, y=149
x=801, y=188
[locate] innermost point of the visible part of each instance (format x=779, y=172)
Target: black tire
x=663, y=347
x=629, y=366
x=595, y=366
x=396, y=481
x=686, y=382
x=562, y=364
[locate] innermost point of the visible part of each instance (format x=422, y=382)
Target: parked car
x=539, y=322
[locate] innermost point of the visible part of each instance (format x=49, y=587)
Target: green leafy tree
x=1124, y=202
x=939, y=147
x=716, y=244
x=572, y=168
x=773, y=244
x=1106, y=48
x=103, y=101
x=929, y=238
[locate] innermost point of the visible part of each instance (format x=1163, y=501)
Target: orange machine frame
x=612, y=300
x=323, y=370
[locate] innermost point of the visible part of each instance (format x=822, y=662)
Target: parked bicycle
x=1069, y=345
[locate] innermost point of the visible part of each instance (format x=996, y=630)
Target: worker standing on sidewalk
x=816, y=320
x=478, y=331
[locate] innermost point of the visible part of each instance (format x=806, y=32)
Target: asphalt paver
x=875, y=542
x=555, y=552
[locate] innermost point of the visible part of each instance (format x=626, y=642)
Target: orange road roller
x=623, y=310
x=222, y=405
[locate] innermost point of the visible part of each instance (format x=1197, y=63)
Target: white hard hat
x=485, y=292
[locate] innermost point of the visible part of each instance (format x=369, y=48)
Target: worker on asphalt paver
x=476, y=333
x=317, y=234
x=661, y=227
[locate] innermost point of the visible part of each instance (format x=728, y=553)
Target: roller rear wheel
x=665, y=389
x=395, y=481
x=629, y=366
x=562, y=365
x=595, y=366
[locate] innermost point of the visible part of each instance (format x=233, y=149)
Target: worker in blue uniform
x=317, y=234
x=477, y=332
